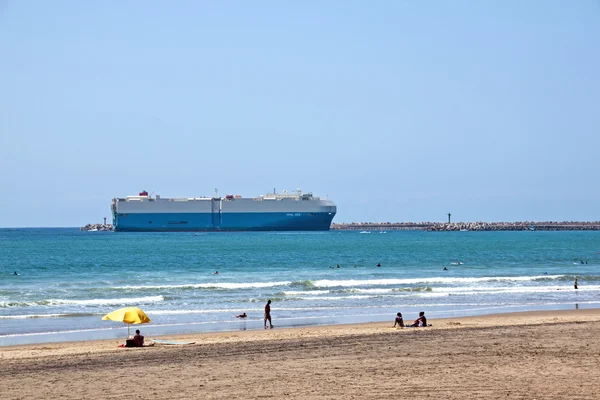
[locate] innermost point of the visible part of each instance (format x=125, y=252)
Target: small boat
x=456, y=263
x=464, y=230
x=383, y=232
x=365, y=232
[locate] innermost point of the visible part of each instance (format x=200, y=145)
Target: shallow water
x=68, y=279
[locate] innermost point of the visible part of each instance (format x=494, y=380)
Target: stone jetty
x=471, y=226
x=97, y=227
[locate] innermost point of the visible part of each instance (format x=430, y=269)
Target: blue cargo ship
x=295, y=211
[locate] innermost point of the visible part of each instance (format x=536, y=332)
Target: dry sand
x=533, y=355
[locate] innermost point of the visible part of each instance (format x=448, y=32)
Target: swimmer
x=242, y=315
x=338, y=265
x=444, y=269
x=216, y=273
x=15, y=273
x=378, y=264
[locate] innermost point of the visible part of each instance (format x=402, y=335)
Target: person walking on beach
x=268, y=314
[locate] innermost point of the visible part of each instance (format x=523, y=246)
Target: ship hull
x=179, y=222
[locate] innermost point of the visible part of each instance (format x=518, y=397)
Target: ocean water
x=69, y=279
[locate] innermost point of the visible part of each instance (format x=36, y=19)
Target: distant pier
x=471, y=226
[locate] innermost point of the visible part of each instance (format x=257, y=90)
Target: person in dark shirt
x=421, y=321
x=399, y=321
x=243, y=315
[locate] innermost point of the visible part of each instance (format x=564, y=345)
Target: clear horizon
x=396, y=111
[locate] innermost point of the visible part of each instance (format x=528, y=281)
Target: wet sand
x=543, y=355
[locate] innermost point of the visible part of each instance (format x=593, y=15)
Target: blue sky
x=395, y=110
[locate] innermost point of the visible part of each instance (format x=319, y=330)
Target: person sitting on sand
x=399, y=321
x=421, y=321
x=242, y=315
x=138, y=339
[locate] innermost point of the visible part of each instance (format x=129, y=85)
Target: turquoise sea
x=68, y=279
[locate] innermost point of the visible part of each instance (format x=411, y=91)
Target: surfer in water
x=378, y=264
x=575, y=285
x=242, y=315
x=15, y=273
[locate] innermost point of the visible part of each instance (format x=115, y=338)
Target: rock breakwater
x=473, y=226
x=97, y=227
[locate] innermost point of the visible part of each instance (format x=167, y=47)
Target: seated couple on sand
x=421, y=321
x=137, y=341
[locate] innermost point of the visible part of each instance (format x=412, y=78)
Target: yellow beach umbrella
x=129, y=315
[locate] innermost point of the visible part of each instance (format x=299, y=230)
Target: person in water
x=575, y=285
x=399, y=321
x=379, y=264
x=216, y=273
x=15, y=273
x=444, y=269
x=268, y=314
x=421, y=321
x=243, y=315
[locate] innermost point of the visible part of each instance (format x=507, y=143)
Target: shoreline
x=538, y=354
x=525, y=318
x=116, y=331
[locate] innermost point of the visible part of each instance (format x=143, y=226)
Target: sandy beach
x=544, y=355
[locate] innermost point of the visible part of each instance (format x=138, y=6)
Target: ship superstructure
x=284, y=211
